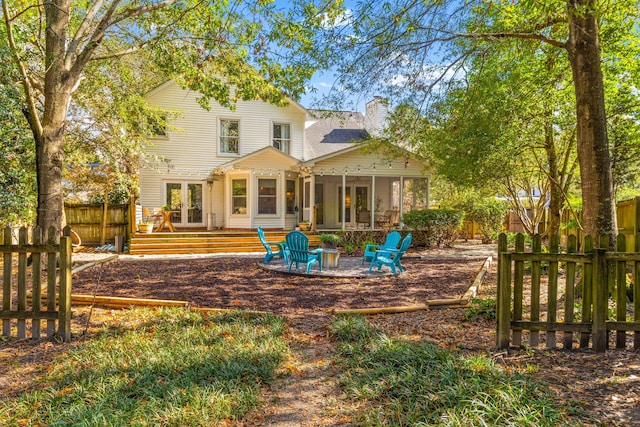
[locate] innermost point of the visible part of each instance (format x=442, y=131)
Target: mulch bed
x=239, y=282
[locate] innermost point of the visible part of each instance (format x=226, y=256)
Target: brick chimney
x=376, y=112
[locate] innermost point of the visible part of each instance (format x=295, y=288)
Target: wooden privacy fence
x=37, y=258
x=99, y=223
x=537, y=293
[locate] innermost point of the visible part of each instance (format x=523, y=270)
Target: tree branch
x=32, y=111
x=108, y=19
x=523, y=35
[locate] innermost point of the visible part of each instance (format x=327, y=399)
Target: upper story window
x=282, y=137
x=158, y=126
x=229, y=136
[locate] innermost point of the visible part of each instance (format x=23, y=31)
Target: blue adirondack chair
x=281, y=253
x=391, y=258
x=298, y=247
x=391, y=242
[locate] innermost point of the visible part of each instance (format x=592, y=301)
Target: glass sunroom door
x=186, y=202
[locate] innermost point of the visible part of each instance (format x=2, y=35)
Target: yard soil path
x=606, y=386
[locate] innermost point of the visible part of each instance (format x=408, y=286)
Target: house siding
x=191, y=146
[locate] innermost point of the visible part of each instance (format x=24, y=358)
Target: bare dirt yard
x=606, y=386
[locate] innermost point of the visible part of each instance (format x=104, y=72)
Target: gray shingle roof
x=332, y=131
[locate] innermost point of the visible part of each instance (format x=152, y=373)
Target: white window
x=239, y=196
x=229, y=136
x=158, y=126
x=267, y=196
x=282, y=137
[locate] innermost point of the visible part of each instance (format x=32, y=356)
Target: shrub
x=489, y=214
x=329, y=239
x=485, y=308
x=440, y=226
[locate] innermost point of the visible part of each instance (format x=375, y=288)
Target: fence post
x=552, y=290
x=636, y=290
x=600, y=307
x=64, y=305
x=621, y=291
x=6, y=283
x=22, y=281
x=36, y=289
x=52, y=239
x=536, y=248
x=587, y=290
x=569, y=291
x=104, y=219
x=504, y=295
x=518, y=285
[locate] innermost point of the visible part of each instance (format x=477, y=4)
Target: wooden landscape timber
x=121, y=302
x=463, y=302
x=90, y=264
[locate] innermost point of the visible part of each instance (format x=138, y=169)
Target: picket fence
x=606, y=282
x=50, y=255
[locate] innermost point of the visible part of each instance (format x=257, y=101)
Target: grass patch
x=168, y=367
x=400, y=383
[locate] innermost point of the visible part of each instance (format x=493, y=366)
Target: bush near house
x=489, y=214
x=437, y=226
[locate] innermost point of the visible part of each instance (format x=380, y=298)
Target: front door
x=185, y=199
x=352, y=210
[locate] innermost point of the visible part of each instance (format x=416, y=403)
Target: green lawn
x=165, y=368
x=401, y=383
x=173, y=367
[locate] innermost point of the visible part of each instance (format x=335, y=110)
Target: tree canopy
x=70, y=69
x=415, y=51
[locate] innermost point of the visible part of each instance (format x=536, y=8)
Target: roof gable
x=271, y=156
x=331, y=131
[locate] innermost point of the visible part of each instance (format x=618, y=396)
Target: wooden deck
x=205, y=242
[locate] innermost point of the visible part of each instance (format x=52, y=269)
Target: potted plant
x=329, y=241
x=145, y=227
x=304, y=225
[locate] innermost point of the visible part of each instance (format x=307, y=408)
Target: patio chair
x=298, y=247
x=281, y=253
x=391, y=242
x=364, y=217
x=155, y=218
x=391, y=258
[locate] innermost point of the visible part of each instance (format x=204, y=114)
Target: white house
x=269, y=166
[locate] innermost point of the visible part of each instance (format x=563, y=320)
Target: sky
x=324, y=81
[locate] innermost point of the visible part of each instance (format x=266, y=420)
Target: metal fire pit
x=330, y=258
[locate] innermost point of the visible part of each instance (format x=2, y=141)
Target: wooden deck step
x=205, y=242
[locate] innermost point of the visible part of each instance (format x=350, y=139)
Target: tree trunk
x=58, y=84
x=598, y=201
x=555, y=189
